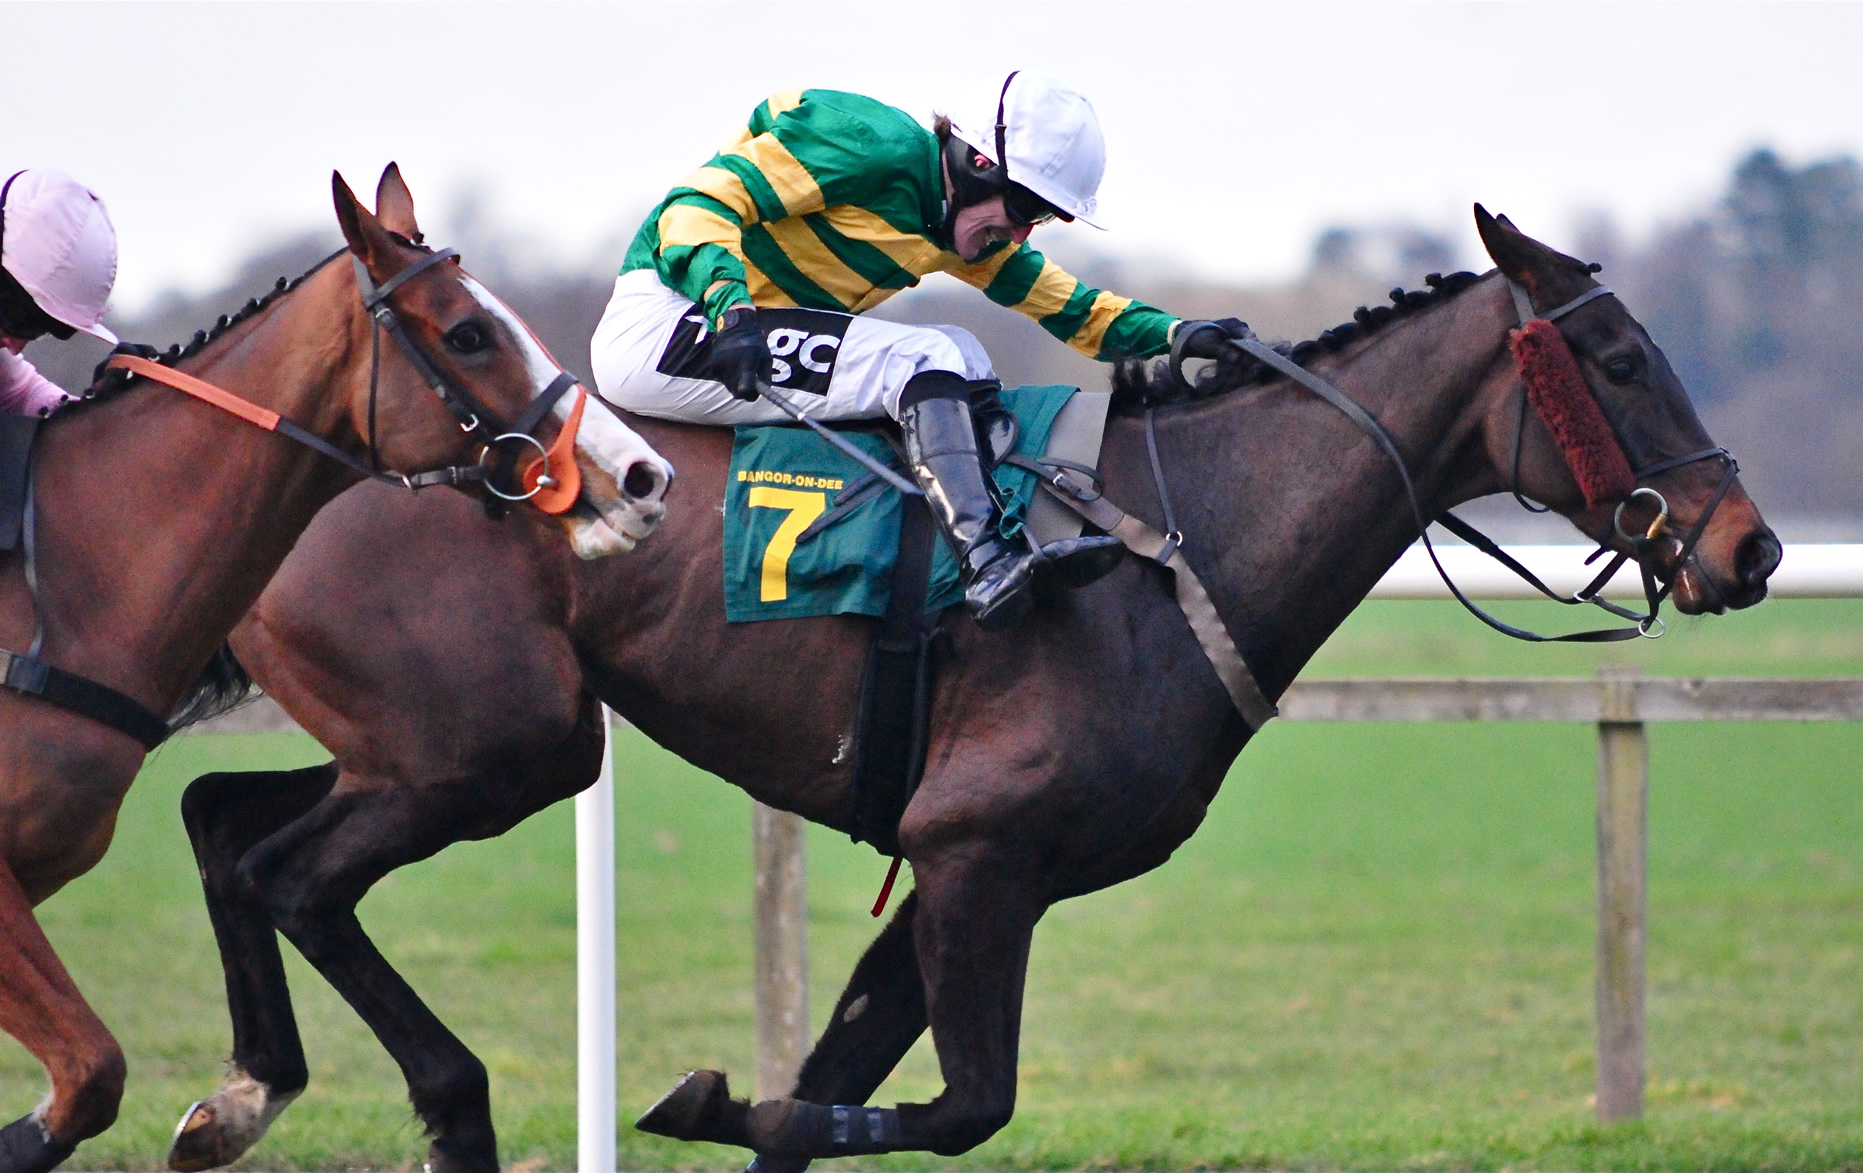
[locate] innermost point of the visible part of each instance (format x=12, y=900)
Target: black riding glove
x=741, y=353
x=1212, y=340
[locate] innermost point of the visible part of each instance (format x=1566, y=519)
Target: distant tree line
x=1755, y=300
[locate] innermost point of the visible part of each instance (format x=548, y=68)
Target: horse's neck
x=1290, y=512
x=160, y=519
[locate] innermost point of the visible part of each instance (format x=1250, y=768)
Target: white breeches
x=650, y=355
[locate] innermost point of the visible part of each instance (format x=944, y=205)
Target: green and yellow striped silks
x=834, y=201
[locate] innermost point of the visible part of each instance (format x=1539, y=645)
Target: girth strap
x=87, y=698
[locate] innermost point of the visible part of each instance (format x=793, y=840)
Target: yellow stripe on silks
x=879, y=294
x=783, y=101
x=787, y=177
x=909, y=250
x=979, y=275
x=780, y=103
x=806, y=252
x=725, y=187
x=684, y=224
x=765, y=292
x=1092, y=332
x=1050, y=292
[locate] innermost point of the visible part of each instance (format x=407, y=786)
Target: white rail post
x=595, y=966
x=782, y=949
x=1623, y=832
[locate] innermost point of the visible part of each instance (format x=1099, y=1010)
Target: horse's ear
x=1518, y=255
x=394, y=204
x=365, y=234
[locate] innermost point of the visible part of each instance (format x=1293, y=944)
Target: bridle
x=473, y=417
x=1643, y=546
x=497, y=460
x=27, y=673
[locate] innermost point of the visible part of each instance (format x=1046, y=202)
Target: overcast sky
x=1235, y=131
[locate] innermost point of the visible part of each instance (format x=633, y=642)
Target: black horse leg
x=974, y=919
x=225, y=815
x=878, y=1017
x=310, y=877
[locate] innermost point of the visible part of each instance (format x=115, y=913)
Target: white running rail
x=1807, y=572
x=595, y=966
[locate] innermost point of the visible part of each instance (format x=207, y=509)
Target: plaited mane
x=1137, y=382
x=106, y=383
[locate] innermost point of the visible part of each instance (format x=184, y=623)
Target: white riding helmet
x=1052, y=141
x=57, y=241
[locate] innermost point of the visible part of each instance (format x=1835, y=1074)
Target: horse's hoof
x=26, y=1146
x=688, y=1111
x=198, y=1143
x=219, y=1129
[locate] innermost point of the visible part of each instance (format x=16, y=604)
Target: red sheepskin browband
x=1565, y=405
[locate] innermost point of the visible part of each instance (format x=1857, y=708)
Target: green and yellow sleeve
x=1099, y=324
x=802, y=151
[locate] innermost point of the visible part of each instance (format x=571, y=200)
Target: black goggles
x=1026, y=209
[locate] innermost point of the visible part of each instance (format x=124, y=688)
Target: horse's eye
x=468, y=338
x=1620, y=370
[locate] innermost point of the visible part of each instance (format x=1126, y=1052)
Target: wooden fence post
x=1623, y=827
x=782, y=948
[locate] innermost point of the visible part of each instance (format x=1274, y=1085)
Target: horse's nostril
x=1757, y=557
x=643, y=481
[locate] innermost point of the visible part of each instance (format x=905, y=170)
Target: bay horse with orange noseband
x=157, y=517
x=1067, y=755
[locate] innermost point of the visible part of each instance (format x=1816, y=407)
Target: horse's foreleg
x=878, y=1017
x=971, y=929
x=41, y=1007
x=226, y=814
x=310, y=877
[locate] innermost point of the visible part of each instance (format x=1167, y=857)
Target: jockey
x=57, y=265
x=824, y=206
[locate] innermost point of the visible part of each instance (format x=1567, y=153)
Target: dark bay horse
x=1073, y=753
x=160, y=518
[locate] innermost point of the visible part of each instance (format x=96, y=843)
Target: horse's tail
x=224, y=685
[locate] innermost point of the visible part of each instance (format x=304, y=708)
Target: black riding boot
x=997, y=571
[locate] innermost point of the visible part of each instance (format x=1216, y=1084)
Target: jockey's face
x=982, y=225
x=15, y=345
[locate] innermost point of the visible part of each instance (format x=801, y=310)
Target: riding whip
x=788, y=407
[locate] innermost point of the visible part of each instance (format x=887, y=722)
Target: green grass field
x=1375, y=955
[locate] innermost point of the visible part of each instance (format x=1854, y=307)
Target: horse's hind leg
x=310, y=877
x=975, y=916
x=226, y=814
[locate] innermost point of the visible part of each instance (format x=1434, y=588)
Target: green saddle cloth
x=783, y=477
